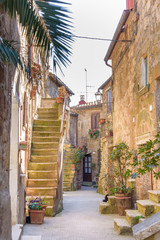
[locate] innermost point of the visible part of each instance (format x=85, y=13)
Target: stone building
x=22, y=94
x=106, y=132
x=88, y=138
x=135, y=56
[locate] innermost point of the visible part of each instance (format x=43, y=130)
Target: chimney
x=82, y=101
x=129, y=4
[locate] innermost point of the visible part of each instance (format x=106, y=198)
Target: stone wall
x=92, y=145
x=136, y=108
x=106, y=138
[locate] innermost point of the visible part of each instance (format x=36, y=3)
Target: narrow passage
x=79, y=220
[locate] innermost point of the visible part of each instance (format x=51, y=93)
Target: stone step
x=45, y=139
x=46, y=102
x=44, y=152
x=45, y=145
x=154, y=195
x=52, y=109
x=49, y=191
x=48, y=123
x=122, y=226
x=43, y=159
x=106, y=208
x=32, y=174
x=46, y=129
x=145, y=207
x=66, y=189
x=42, y=183
x=67, y=184
x=67, y=178
x=48, y=117
x=133, y=217
x=45, y=134
x=42, y=166
x=50, y=211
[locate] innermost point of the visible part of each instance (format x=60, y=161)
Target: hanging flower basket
x=101, y=121
x=60, y=99
x=94, y=133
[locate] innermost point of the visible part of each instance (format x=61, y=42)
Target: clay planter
x=37, y=216
x=123, y=202
x=60, y=99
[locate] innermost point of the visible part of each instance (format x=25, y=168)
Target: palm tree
x=49, y=27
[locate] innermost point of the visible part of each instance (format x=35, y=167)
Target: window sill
x=144, y=90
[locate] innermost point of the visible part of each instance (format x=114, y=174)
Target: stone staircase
x=42, y=167
x=68, y=169
x=146, y=208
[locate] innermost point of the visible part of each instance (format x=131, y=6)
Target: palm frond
x=59, y=25
x=9, y=54
x=50, y=27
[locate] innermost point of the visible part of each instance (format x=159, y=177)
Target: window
x=109, y=106
x=144, y=72
x=95, y=120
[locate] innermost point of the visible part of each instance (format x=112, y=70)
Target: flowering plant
x=37, y=204
x=94, y=133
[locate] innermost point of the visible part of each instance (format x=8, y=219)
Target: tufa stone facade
x=136, y=81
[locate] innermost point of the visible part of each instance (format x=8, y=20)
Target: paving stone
x=80, y=220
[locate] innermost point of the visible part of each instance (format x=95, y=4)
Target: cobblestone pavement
x=80, y=220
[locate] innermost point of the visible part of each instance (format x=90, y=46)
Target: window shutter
x=143, y=73
x=97, y=120
x=93, y=121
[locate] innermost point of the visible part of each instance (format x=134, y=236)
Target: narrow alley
x=79, y=220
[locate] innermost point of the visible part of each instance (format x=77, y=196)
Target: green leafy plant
x=137, y=218
x=93, y=165
x=78, y=156
x=94, y=133
x=120, y=161
x=148, y=158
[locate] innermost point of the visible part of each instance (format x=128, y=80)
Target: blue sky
x=94, y=19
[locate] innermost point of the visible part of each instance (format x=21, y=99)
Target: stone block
x=106, y=208
x=112, y=200
x=157, y=208
x=148, y=229
x=132, y=216
x=146, y=207
x=154, y=195
x=122, y=227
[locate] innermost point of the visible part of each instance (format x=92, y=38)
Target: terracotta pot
x=123, y=203
x=37, y=216
x=60, y=99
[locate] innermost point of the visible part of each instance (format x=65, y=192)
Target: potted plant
x=93, y=133
x=120, y=158
x=37, y=210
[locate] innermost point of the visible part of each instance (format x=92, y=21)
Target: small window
x=95, y=120
x=109, y=106
x=144, y=72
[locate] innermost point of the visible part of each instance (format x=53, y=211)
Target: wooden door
x=87, y=170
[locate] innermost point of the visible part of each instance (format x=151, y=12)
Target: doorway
x=87, y=170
